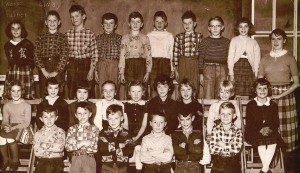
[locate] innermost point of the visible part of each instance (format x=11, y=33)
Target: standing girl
x=262, y=123
x=16, y=116
x=19, y=54
x=136, y=112
x=243, y=57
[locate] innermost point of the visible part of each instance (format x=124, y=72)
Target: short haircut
x=227, y=105
x=278, y=32
x=109, y=82
x=188, y=15
x=218, y=18
x=185, y=113
x=244, y=20
x=48, y=109
x=114, y=108
x=164, y=79
x=228, y=85
x=109, y=16
x=8, y=29
x=186, y=82
x=134, y=15
x=84, y=105
x=83, y=84
x=7, y=93
x=53, y=13
x=161, y=14
x=137, y=83
x=157, y=113
x=78, y=8
x=262, y=81
x=52, y=81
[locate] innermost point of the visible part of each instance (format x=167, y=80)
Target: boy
x=109, y=51
x=226, y=142
x=49, y=143
x=115, y=143
x=83, y=52
x=82, y=95
x=156, y=149
x=135, y=56
x=188, y=145
x=186, y=51
x=161, y=42
x=51, y=52
x=163, y=103
x=82, y=140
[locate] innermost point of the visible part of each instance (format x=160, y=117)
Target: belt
x=279, y=89
x=82, y=154
x=218, y=64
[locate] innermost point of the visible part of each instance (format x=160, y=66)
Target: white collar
x=267, y=103
x=278, y=54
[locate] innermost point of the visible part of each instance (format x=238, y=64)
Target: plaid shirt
x=109, y=46
x=83, y=45
x=233, y=140
x=186, y=45
x=51, y=47
x=78, y=133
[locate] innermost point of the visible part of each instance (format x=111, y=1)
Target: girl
x=188, y=102
x=109, y=93
x=16, y=116
x=243, y=57
x=262, y=123
x=19, y=54
x=53, y=98
x=136, y=112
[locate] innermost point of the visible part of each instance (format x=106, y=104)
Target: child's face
x=53, y=90
x=109, y=26
x=186, y=122
x=135, y=24
x=136, y=93
x=188, y=25
x=77, y=18
x=224, y=94
x=49, y=118
x=82, y=95
x=16, y=30
x=109, y=91
x=159, y=23
x=114, y=120
x=52, y=23
x=226, y=115
x=158, y=123
x=162, y=90
x=186, y=92
x=16, y=92
x=83, y=115
x=215, y=28
x=243, y=29
x=261, y=91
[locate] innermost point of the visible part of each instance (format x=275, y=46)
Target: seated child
x=115, y=143
x=49, y=143
x=82, y=140
x=226, y=142
x=156, y=149
x=188, y=145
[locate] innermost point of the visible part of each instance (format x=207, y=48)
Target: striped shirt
x=109, y=46
x=51, y=47
x=82, y=45
x=186, y=45
x=213, y=50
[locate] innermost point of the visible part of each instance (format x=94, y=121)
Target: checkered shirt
x=109, y=46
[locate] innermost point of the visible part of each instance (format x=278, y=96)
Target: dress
x=20, y=65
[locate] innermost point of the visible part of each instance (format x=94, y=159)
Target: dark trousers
x=50, y=165
x=154, y=168
x=226, y=164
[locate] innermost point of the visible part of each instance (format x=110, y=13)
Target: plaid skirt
x=287, y=117
x=243, y=76
x=24, y=74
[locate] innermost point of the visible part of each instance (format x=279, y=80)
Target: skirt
x=287, y=117
x=244, y=77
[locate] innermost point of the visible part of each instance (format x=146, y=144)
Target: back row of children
x=134, y=56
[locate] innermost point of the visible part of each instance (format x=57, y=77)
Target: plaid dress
x=20, y=65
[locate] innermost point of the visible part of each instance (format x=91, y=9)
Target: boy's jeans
x=187, y=167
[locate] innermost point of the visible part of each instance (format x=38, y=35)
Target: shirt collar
x=188, y=131
x=278, y=54
x=267, y=103
x=189, y=33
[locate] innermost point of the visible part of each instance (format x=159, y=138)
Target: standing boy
x=186, y=51
x=156, y=149
x=115, y=143
x=188, y=145
x=109, y=51
x=83, y=52
x=82, y=140
x=49, y=143
x=161, y=42
x=226, y=142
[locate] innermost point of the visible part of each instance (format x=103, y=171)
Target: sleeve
x=71, y=142
x=64, y=51
x=122, y=55
x=257, y=56
x=214, y=148
x=196, y=148
x=177, y=149
x=38, y=150
x=212, y=116
x=94, y=144
x=145, y=155
x=170, y=51
x=27, y=114
x=129, y=147
x=230, y=59
x=37, y=53
x=176, y=50
x=94, y=51
x=293, y=66
x=5, y=119
x=105, y=147
x=167, y=154
x=261, y=69
x=238, y=121
x=202, y=52
x=147, y=49
x=236, y=145
x=30, y=54
x=59, y=144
